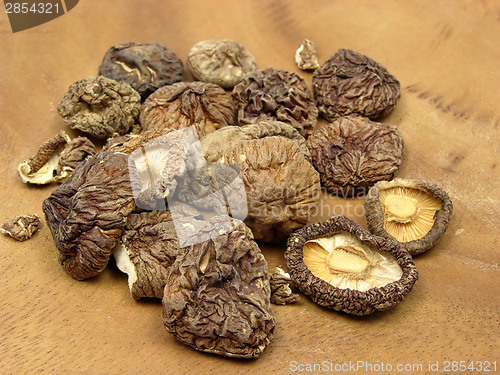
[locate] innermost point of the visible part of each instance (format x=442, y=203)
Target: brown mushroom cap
x=223, y=62
x=100, y=106
x=413, y=212
x=352, y=83
x=149, y=246
x=282, y=187
x=145, y=67
x=21, y=227
x=215, y=144
x=352, y=153
x=182, y=104
x=275, y=94
x=217, y=295
x=86, y=214
x=359, y=256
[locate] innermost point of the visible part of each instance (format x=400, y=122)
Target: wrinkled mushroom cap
x=182, y=104
x=216, y=144
x=342, y=266
x=352, y=83
x=275, y=94
x=412, y=212
x=223, y=62
x=282, y=187
x=217, y=295
x=145, y=67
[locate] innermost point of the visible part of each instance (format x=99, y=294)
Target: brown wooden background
x=446, y=55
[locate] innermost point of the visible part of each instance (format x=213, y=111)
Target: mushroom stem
x=44, y=153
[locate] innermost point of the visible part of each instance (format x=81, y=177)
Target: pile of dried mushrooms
x=180, y=157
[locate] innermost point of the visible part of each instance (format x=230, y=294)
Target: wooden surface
x=446, y=55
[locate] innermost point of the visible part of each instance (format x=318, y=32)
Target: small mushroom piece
x=352, y=83
x=217, y=294
x=281, y=293
x=21, y=227
x=352, y=153
x=216, y=144
x=56, y=159
x=305, y=57
x=342, y=266
x=413, y=212
x=223, y=62
x=86, y=214
x=145, y=67
x=182, y=104
x=275, y=94
x=282, y=187
x=100, y=106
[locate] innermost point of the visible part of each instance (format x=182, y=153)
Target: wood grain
x=445, y=55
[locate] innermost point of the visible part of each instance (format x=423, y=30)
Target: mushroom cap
x=352, y=83
x=282, y=187
x=86, y=214
x=182, y=104
x=343, y=298
x=217, y=295
x=100, y=106
x=352, y=153
x=215, y=144
x=275, y=94
x=145, y=67
x=223, y=62
x=414, y=213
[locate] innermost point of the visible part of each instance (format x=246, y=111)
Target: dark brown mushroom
x=352, y=153
x=86, y=214
x=217, y=295
x=223, y=62
x=282, y=187
x=352, y=83
x=145, y=67
x=415, y=213
x=343, y=267
x=149, y=246
x=177, y=106
x=100, y=106
x=275, y=94
x=21, y=228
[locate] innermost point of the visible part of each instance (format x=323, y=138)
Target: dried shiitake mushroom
x=343, y=267
x=413, y=212
x=149, y=246
x=282, y=187
x=21, y=227
x=305, y=57
x=352, y=153
x=145, y=67
x=182, y=104
x=86, y=214
x=352, y=83
x=223, y=62
x=55, y=159
x=215, y=144
x=281, y=293
x=100, y=106
x=275, y=94
x=217, y=294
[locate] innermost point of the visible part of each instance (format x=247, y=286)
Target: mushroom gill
x=409, y=214
x=345, y=262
